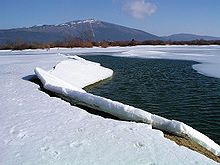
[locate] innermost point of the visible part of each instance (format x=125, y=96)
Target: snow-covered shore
x=39, y=129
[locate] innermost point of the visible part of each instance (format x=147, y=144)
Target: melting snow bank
x=70, y=76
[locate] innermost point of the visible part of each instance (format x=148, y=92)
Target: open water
x=169, y=88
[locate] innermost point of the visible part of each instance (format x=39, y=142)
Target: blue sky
x=160, y=17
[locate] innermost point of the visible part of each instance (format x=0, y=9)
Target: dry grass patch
x=185, y=141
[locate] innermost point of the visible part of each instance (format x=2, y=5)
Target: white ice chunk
x=49, y=80
x=80, y=73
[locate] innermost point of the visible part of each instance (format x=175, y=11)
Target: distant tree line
x=77, y=42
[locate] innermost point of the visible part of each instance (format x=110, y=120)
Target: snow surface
x=39, y=129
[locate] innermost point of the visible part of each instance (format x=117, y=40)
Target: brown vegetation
x=77, y=42
x=187, y=142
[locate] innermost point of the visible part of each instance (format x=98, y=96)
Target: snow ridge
x=55, y=81
x=73, y=23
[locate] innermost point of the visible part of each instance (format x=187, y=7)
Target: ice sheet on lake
x=208, y=56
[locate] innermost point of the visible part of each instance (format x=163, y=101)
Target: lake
x=169, y=88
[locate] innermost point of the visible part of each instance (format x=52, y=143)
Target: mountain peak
x=87, y=29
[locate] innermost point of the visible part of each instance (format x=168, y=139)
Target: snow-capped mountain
x=90, y=29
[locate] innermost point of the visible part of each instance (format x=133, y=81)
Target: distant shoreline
x=19, y=45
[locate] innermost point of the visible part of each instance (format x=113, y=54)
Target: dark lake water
x=168, y=88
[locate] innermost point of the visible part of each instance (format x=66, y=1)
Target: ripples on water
x=168, y=88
